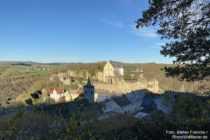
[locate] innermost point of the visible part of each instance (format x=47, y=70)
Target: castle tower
x=141, y=76
x=89, y=91
x=137, y=74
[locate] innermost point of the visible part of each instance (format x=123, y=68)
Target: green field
x=10, y=70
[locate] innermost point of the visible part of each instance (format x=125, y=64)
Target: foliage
x=29, y=101
x=31, y=125
x=35, y=96
x=127, y=74
x=185, y=23
x=38, y=85
x=90, y=68
x=74, y=86
x=189, y=109
x=81, y=122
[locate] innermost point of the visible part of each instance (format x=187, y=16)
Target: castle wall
x=121, y=71
x=125, y=87
x=100, y=76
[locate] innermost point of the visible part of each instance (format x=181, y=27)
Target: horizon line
x=64, y=62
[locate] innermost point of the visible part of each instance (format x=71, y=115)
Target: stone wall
x=100, y=76
x=125, y=87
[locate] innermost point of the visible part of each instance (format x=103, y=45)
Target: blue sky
x=76, y=31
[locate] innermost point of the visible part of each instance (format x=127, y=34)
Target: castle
x=113, y=72
x=113, y=81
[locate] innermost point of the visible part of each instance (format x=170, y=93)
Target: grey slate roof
x=116, y=64
x=135, y=96
x=121, y=101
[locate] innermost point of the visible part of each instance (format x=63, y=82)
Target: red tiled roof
x=49, y=91
x=79, y=91
x=57, y=89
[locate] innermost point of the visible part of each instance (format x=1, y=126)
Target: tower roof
x=88, y=83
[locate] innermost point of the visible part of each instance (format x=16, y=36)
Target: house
x=118, y=104
x=136, y=98
x=70, y=96
x=101, y=97
x=113, y=72
x=147, y=107
x=67, y=96
x=148, y=104
x=112, y=106
x=127, y=103
x=123, y=103
x=56, y=93
x=164, y=104
x=153, y=103
x=79, y=90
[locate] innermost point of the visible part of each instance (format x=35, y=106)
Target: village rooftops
x=135, y=96
x=130, y=98
x=57, y=89
x=79, y=90
x=122, y=100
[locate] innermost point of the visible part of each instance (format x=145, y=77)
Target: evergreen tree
x=185, y=24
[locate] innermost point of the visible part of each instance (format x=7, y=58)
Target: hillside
x=22, y=77
x=18, y=77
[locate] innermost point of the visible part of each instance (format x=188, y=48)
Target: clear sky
x=76, y=30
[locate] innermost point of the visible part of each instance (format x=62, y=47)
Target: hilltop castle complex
x=111, y=78
x=113, y=81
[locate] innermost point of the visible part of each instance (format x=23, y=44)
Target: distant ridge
x=19, y=62
x=60, y=63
